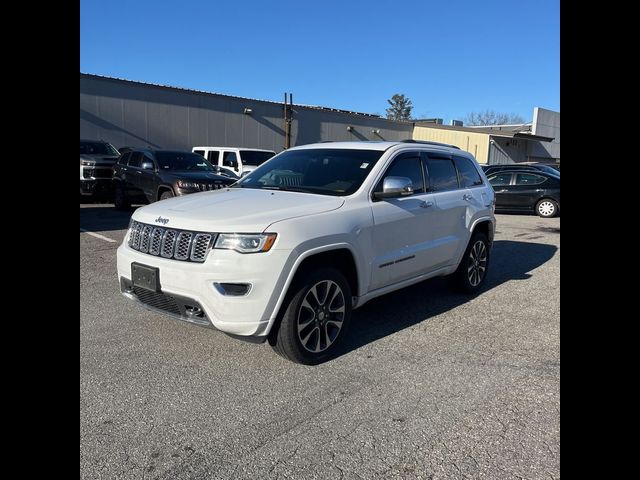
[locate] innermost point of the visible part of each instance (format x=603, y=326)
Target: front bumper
x=189, y=286
x=96, y=186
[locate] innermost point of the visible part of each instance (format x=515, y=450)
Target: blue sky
x=448, y=57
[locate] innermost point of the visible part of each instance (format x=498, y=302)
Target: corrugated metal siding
x=474, y=143
x=136, y=114
x=508, y=150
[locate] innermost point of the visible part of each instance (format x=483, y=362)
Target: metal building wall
x=503, y=150
x=127, y=113
x=474, y=143
x=546, y=123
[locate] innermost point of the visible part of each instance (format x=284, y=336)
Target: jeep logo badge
x=161, y=220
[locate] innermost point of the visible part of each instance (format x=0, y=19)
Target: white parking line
x=97, y=235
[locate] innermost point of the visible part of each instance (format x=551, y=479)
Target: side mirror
x=147, y=165
x=394, y=187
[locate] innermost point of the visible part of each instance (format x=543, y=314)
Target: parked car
x=287, y=252
x=96, y=159
x=239, y=160
x=489, y=169
x=527, y=190
x=147, y=175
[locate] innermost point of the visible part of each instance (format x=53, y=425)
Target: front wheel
x=547, y=208
x=472, y=271
x=316, y=318
x=166, y=194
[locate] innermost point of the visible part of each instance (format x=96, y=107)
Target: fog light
x=233, y=289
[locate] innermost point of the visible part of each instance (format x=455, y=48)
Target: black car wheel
x=316, y=318
x=472, y=271
x=547, y=208
x=120, y=200
x=166, y=194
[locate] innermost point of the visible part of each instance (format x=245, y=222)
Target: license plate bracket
x=146, y=277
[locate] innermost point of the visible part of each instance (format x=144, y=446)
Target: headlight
x=246, y=243
x=183, y=184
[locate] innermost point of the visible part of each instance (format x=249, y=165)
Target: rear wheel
x=316, y=318
x=166, y=194
x=472, y=271
x=547, y=208
x=120, y=199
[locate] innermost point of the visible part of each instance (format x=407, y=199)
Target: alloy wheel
x=477, y=263
x=321, y=316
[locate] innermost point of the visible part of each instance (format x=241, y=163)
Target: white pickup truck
x=287, y=252
x=240, y=160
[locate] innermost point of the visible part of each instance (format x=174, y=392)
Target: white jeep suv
x=287, y=252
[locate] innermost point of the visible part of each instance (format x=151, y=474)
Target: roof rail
x=425, y=142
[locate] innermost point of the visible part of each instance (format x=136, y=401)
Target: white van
x=240, y=160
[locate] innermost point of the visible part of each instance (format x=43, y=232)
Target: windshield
x=97, y=148
x=251, y=157
x=549, y=169
x=182, y=161
x=323, y=171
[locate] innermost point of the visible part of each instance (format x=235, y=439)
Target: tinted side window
x=230, y=159
x=136, y=159
x=213, y=156
x=442, y=174
x=469, y=176
x=409, y=167
x=529, y=179
x=199, y=152
x=500, y=179
x=124, y=158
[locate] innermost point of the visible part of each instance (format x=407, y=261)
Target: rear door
x=449, y=225
x=214, y=158
x=527, y=189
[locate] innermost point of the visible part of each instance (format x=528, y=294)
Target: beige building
x=538, y=141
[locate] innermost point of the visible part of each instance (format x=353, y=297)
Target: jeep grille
x=170, y=243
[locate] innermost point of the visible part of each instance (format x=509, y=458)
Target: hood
x=98, y=159
x=195, y=176
x=240, y=210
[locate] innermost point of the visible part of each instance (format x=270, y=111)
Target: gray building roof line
x=193, y=90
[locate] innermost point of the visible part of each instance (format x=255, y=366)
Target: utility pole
x=288, y=111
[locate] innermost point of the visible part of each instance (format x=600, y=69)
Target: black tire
x=120, y=200
x=547, y=208
x=472, y=271
x=166, y=194
x=324, y=323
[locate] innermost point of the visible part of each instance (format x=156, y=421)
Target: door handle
x=139, y=171
x=426, y=204
x=501, y=191
x=467, y=196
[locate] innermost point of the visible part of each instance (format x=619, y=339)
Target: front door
x=501, y=183
x=401, y=233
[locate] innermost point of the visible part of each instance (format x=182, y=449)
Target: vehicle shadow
x=386, y=315
x=104, y=218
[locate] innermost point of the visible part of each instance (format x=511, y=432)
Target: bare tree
x=489, y=117
x=400, y=107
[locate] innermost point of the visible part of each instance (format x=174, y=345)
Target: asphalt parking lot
x=431, y=385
